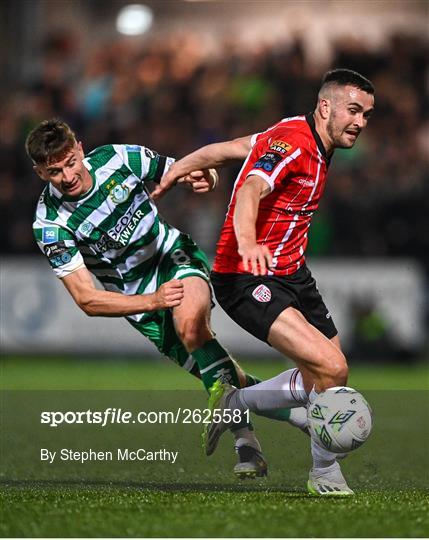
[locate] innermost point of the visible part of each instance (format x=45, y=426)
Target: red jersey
x=291, y=158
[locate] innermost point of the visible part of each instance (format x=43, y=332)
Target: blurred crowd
x=170, y=97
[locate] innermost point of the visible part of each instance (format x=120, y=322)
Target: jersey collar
x=310, y=121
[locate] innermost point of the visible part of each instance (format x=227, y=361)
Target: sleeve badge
x=280, y=146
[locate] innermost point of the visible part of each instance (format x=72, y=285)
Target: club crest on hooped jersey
x=262, y=293
x=119, y=193
x=86, y=228
x=280, y=146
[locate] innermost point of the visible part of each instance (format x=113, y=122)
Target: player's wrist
x=246, y=243
x=175, y=172
x=152, y=302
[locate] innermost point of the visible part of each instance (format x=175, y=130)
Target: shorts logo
x=50, y=235
x=262, y=293
x=119, y=194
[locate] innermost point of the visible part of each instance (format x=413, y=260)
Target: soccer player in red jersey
x=260, y=276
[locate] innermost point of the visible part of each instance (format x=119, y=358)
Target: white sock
x=284, y=390
x=312, y=395
x=298, y=418
x=245, y=437
x=322, y=458
x=333, y=472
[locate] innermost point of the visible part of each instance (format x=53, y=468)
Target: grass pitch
x=199, y=497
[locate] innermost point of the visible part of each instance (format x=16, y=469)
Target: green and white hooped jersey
x=114, y=229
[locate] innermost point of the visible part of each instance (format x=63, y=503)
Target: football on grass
x=340, y=419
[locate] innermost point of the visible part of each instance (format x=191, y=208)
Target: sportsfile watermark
x=112, y=415
x=154, y=437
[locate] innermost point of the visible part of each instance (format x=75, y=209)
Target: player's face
x=349, y=114
x=69, y=175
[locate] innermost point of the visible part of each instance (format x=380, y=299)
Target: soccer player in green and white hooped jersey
x=96, y=217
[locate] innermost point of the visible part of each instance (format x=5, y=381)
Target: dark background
x=211, y=71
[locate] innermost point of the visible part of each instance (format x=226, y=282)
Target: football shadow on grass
x=246, y=486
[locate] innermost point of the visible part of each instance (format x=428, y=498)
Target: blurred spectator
x=169, y=97
x=371, y=336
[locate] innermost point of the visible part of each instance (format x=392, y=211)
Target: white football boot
x=328, y=482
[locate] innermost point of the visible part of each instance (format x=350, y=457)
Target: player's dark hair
x=50, y=140
x=348, y=77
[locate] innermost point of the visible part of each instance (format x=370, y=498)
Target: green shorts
x=184, y=259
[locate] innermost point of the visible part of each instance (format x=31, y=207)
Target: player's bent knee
x=340, y=375
x=337, y=370
x=193, y=334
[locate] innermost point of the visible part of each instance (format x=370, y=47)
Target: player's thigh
x=196, y=298
x=310, y=303
x=187, y=262
x=192, y=317
x=296, y=338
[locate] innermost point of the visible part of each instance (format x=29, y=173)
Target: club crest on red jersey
x=262, y=293
x=280, y=146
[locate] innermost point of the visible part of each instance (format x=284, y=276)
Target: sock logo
x=224, y=375
x=262, y=293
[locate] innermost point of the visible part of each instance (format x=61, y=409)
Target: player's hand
x=169, y=295
x=169, y=180
x=256, y=258
x=201, y=181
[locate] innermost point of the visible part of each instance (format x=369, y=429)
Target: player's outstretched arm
x=256, y=257
x=207, y=157
x=95, y=302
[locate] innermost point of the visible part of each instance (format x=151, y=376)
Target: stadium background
x=210, y=71
x=207, y=71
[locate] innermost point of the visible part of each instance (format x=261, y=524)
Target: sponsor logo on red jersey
x=306, y=182
x=280, y=146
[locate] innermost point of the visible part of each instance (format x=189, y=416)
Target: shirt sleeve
x=146, y=164
x=272, y=156
x=59, y=247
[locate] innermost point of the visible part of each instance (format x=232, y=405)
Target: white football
x=340, y=419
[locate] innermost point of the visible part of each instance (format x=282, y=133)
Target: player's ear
x=80, y=150
x=39, y=170
x=324, y=108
